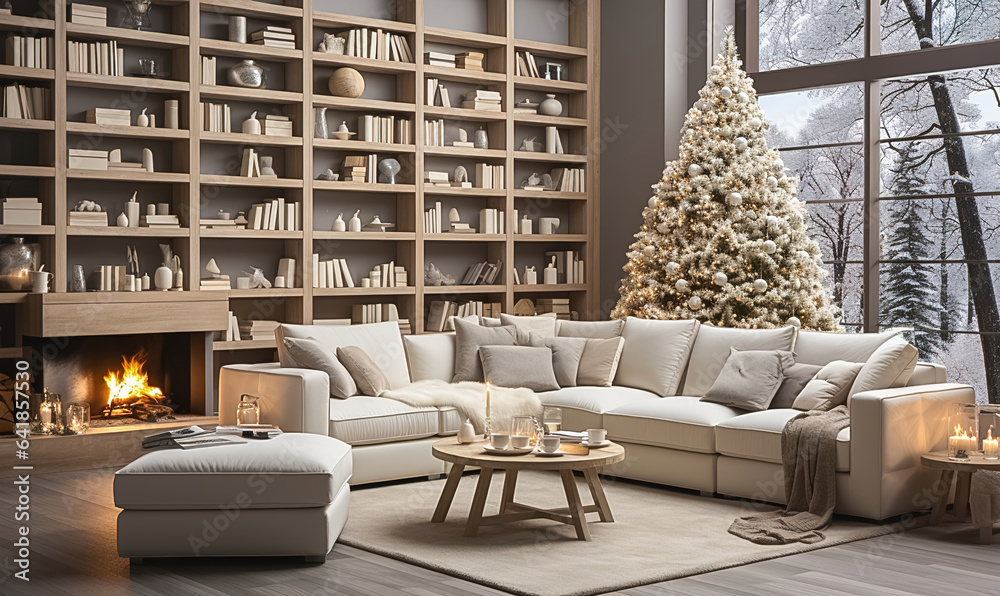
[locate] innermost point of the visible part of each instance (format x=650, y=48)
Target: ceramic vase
x=246, y=74
x=163, y=278
x=78, y=280
x=481, y=140
x=238, y=29
x=322, y=127
x=550, y=106
x=466, y=432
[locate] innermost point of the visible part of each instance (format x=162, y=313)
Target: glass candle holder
x=552, y=419
x=248, y=410
x=525, y=426
x=77, y=418
x=50, y=413
x=963, y=439
x=989, y=427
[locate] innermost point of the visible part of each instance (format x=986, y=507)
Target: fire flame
x=133, y=382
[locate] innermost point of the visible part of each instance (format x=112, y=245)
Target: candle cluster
x=962, y=443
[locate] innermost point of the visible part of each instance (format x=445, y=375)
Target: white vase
x=550, y=106
x=466, y=432
x=163, y=278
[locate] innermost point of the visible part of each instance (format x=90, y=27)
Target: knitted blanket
x=809, y=456
x=469, y=398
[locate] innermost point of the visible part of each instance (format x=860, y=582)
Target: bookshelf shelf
x=550, y=238
x=460, y=75
x=354, y=236
x=238, y=138
x=220, y=180
x=250, y=95
x=549, y=157
x=464, y=152
x=127, y=176
x=530, y=289
x=549, y=86
x=251, y=234
x=552, y=50
x=268, y=293
x=550, y=195
x=463, y=38
x=218, y=47
x=27, y=171
x=342, y=21
x=464, y=114
x=363, y=186
x=138, y=132
x=19, y=24
x=460, y=289
x=27, y=230
x=452, y=237
x=360, y=104
x=247, y=344
x=365, y=146
x=127, y=232
x=26, y=124
x=463, y=192
x=127, y=37
x=540, y=120
x=399, y=291
x=140, y=84
x=364, y=64
x=251, y=8
x=20, y=72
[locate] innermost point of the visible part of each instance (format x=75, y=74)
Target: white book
x=280, y=222
x=348, y=279
x=321, y=277
x=333, y=274
x=315, y=270
x=437, y=223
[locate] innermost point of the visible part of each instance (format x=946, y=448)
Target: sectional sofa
x=653, y=408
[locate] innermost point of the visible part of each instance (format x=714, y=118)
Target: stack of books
x=470, y=61
x=436, y=178
x=432, y=219
x=109, y=117
x=386, y=275
x=208, y=72
x=343, y=322
x=87, y=14
x=359, y=168
x=250, y=166
x=25, y=211
x=30, y=103
x=439, y=59
x=441, y=312
x=525, y=65
x=286, y=269
x=87, y=159
x=376, y=44
x=216, y=117
x=218, y=281
x=488, y=176
x=97, y=57
x=384, y=129
x=491, y=221
x=482, y=274
x=275, y=214
x=333, y=273
x=259, y=330
x=569, y=266
x=560, y=306
x=124, y=165
x=362, y=314
x=481, y=99
x=30, y=52
x=233, y=332
x=217, y=223
x=274, y=37
x=434, y=133
x=277, y=126
x=98, y=219
x=569, y=179
x=159, y=221
x=111, y=278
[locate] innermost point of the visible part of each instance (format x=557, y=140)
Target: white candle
x=46, y=414
x=487, y=400
x=991, y=446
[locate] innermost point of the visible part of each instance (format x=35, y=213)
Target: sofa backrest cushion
x=711, y=350
x=655, y=354
x=431, y=356
x=590, y=329
x=823, y=347
x=543, y=324
x=599, y=362
x=381, y=341
x=890, y=366
x=928, y=373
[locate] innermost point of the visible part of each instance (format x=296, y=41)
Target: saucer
x=509, y=451
x=600, y=445
x=546, y=454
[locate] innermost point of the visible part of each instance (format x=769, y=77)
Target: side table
x=959, y=473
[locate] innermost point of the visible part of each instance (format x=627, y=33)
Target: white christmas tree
x=724, y=237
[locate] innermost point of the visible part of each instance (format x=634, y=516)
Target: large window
x=895, y=137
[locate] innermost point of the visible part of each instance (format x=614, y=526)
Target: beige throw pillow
x=599, y=361
x=749, y=379
x=543, y=325
x=369, y=377
x=469, y=337
x=891, y=365
x=309, y=353
x=566, y=355
x=829, y=388
x=590, y=329
x=519, y=366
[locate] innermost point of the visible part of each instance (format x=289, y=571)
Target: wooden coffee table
x=959, y=472
x=472, y=454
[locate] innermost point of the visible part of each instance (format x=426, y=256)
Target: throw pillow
x=796, y=378
x=599, y=361
x=828, y=389
x=590, y=329
x=711, y=350
x=469, y=337
x=310, y=353
x=891, y=365
x=519, y=366
x=544, y=324
x=566, y=355
x=749, y=379
x=655, y=354
x=369, y=377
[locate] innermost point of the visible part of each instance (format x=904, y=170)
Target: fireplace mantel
x=122, y=313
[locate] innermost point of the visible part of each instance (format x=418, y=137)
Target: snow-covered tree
x=724, y=237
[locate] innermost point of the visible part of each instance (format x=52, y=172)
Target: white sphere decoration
x=694, y=170
x=662, y=228
x=793, y=321
x=694, y=303
x=720, y=279
x=649, y=250
x=779, y=166
x=772, y=182
x=651, y=202
x=743, y=97
x=681, y=285
x=741, y=143
x=770, y=247
x=759, y=286
x=802, y=254
x=672, y=267
x=715, y=70
x=756, y=122
x=734, y=199
x=726, y=92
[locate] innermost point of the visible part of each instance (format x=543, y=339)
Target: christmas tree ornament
x=662, y=228
x=694, y=303
x=649, y=250
x=772, y=182
x=759, y=286
x=741, y=143
x=726, y=92
x=755, y=122
x=779, y=166
x=734, y=199
x=794, y=322
x=720, y=279
x=715, y=70
x=672, y=267
x=694, y=170
x=681, y=285
x=742, y=97
x=770, y=247
x=651, y=202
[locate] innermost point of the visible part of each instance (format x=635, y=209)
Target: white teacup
x=500, y=440
x=519, y=441
x=550, y=444
x=596, y=435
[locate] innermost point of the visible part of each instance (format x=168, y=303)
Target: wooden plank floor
x=73, y=553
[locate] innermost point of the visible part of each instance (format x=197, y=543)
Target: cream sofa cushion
x=381, y=341
x=757, y=436
x=823, y=347
x=890, y=366
x=430, y=356
x=655, y=354
x=365, y=420
x=599, y=361
x=590, y=329
x=711, y=350
x=583, y=406
x=680, y=422
x=543, y=324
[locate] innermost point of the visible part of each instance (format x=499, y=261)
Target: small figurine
x=376, y=225
x=251, y=126
x=339, y=225
x=355, y=223
x=328, y=175
x=142, y=120
x=257, y=279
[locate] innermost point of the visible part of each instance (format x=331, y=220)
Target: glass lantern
x=963, y=433
x=50, y=413
x=526, y=426
x=552, y=419
x=989, y=429
x=248, y=410
x=77, y=418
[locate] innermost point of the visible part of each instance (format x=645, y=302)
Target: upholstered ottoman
x=286, y=496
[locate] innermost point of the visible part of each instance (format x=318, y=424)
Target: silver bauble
x=681, y=285
x=734, y=199
x=720, y=279
x=742, y=97
x=649, y=250
x=741, y=143
x=726, y=92
x=759, y=286
x=770, y=247
x=779, y=166
x=755, y=122
x=793, y=321
x=651, y=202
x=715, y=70
x=802, y=254
x=672, y=267
x=772, y=182
x=662, y=228
x=694, y=170
x=694, y=303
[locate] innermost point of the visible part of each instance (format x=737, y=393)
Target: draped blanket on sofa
x=469, y=398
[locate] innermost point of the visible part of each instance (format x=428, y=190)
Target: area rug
x=658, y=534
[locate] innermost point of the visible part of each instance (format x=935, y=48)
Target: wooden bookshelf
x=190, y=182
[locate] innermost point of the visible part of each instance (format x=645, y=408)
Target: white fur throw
x=469, y=398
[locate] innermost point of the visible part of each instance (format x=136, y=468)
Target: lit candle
x=487, y=400
x=45, y=412
x=991, y=446
x=959, y=445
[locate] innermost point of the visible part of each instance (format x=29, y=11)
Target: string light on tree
x=724, y=237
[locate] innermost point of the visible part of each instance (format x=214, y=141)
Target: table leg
x=509, y=484
x=448, y=494
x=597, y=492
x=575, y=506
x=962, y=494
x=479, y=502
x=941, y=503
